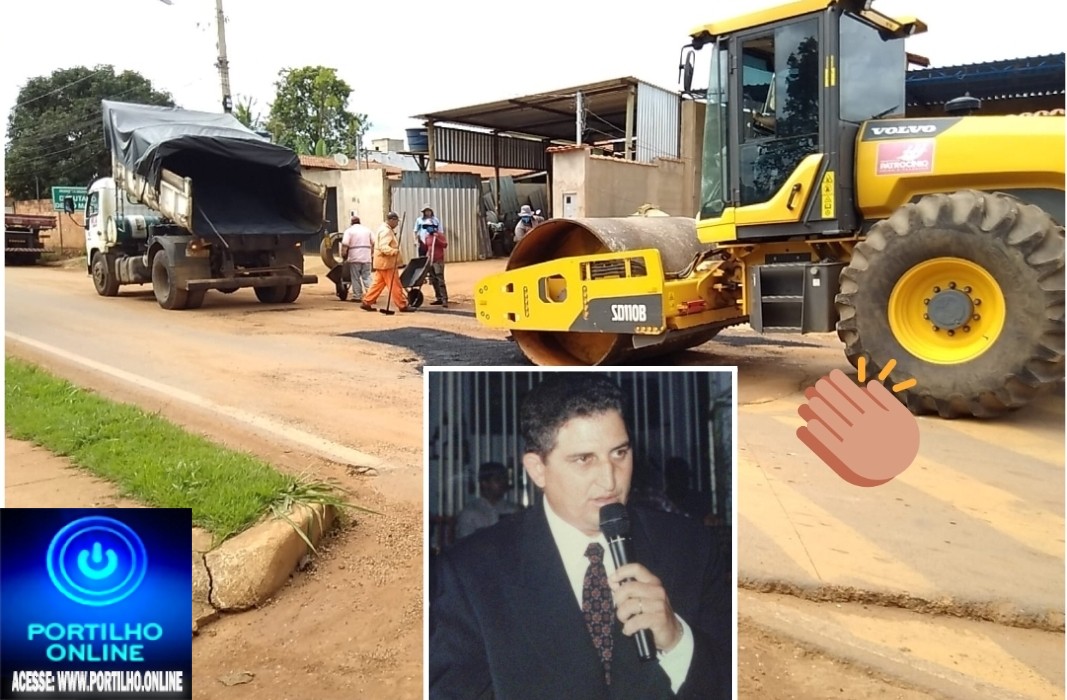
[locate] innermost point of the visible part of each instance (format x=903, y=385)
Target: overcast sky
x=406, y=58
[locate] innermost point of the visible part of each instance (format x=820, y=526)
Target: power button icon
x=96, y=561
x=90, y=570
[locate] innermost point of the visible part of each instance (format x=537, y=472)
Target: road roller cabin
x=936, y=243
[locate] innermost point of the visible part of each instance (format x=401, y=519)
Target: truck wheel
x=194, y=300
x=292, y=293
x=107, y=285
x=965, y=292
x=270, y=295
x=168, y=294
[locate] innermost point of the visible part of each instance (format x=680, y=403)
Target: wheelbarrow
x=412, y=277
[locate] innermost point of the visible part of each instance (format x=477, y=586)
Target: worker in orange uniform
x=386, y=262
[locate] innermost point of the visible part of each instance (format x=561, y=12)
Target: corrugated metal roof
x=547, y=115
x=991, y=80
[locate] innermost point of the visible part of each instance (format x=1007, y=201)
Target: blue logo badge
x=97, y=561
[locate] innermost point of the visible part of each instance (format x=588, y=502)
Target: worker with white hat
x=425, y=225
x=528, y=221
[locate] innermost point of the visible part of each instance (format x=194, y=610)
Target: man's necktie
x=597, y=606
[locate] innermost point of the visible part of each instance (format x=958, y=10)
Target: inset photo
x=581, y=532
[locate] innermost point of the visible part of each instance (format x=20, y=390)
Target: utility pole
x=223, y=64
x=579, y=118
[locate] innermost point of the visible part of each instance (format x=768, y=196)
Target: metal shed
x=627, y=116
x=628, y=110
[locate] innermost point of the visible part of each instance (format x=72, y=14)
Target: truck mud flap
x=606, y=293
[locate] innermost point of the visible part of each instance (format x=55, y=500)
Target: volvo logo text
x=902, y=130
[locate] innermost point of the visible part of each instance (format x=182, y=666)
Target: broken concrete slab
x=203, y=541
x=246, y=570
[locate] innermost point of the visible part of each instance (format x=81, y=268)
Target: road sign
x=78, y=193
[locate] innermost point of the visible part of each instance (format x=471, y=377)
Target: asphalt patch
x=433, y=346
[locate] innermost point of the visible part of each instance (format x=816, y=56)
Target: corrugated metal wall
x=477, y=148
x=511, y=199
x=659, y=121
x=473, y=418
x=456, y=200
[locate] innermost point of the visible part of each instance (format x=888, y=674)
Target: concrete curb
x=817, y=632
x=1001, y=612
x=246, y=570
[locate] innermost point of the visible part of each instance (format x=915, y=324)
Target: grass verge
x=149, y=458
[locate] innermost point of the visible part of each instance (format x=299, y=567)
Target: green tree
x=243, y=111
x=55, y=131
x=310, y=112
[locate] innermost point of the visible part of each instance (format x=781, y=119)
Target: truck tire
x=270, y=295
x=194, y=300
x=965, y=292
x=168, y=294
x=330, y=242
x=107, y=285
x=292, y=293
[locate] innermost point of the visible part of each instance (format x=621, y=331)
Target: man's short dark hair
x=490, y=469
x=554, y=402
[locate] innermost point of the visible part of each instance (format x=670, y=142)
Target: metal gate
x=456, y=200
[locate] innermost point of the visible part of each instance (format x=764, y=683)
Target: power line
x=60, y=88
x=86, y=120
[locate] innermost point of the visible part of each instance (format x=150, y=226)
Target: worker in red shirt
x=435, y=251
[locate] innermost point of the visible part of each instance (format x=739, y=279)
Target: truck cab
x=113, y=221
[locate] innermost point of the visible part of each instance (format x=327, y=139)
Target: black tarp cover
x=242, y=183
x=143, y=136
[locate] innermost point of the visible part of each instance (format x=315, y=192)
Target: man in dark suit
x=522, y=609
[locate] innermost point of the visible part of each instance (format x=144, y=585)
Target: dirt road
x=352, y=625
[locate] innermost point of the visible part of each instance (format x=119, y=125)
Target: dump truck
x=23, y=238
x=933, y=246
x=197, y=201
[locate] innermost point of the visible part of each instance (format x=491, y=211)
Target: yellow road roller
x=933, y=245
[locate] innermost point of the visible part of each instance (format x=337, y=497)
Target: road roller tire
x=674, y=237
x=985, y=266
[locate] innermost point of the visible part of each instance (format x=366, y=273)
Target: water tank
x=418, y=141
x=129, y=228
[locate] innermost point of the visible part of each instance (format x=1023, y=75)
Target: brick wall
x=68, y=234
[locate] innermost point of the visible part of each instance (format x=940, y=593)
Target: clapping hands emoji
x=863, y=433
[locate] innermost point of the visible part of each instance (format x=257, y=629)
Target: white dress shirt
x=572, y=543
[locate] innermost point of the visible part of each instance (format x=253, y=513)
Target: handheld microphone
x=615, y=525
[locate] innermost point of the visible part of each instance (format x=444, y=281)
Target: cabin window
x=780, y=101
x=871, y=72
